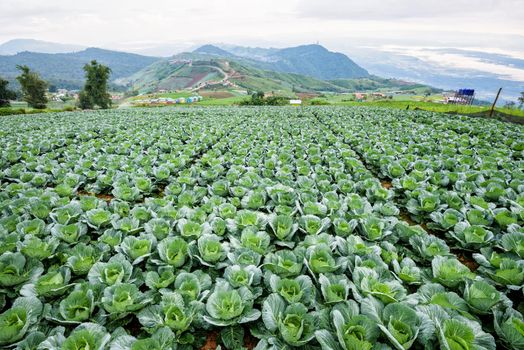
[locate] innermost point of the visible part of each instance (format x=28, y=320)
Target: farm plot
x=273, y=228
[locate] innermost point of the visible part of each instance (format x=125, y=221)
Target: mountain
x=255, y=53
x=197, y=70
x=310, y=60
x=448, y=68
x=66, y=69
x=307, y=68
x=315, y=61
x=12, y=47
x=213, y=50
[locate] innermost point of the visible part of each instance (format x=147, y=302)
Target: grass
x=14, y=111
x=222, y=101
x=346, y=100
x=21, y=107
x=173, y=95
x=443, y=108
x=50, y=105
x=399, y=102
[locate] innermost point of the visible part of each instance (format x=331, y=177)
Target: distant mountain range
x=310, y=60
x=66, y=69
x=427, y=66
x=307, y=68
x=12, y=47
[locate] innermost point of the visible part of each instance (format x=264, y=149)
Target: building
x=360, y=96
x=461, y=97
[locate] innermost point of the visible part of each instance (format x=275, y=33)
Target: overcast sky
x=338, y=24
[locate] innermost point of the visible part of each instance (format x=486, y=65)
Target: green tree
x=521, y=99
x=5, y=93
x=95, y=88
x=259, y=99
x=33, y=87
x=510, y=104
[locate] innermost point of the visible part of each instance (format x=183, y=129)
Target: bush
x=258, y=99
x=319, y=103
x=11, y=111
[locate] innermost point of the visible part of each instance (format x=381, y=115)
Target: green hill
x=311, y=60
x=315, y=61
x=192, y=70
x=65, y=70
x=198, y=70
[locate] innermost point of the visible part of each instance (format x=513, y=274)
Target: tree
x=259, y=99
x=510, y=105
x=5, y=94
x=521, y=99
x=33, y=87
x=94, y=92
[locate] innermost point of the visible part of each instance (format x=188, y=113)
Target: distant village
x=459, y=97
x=154, y=101
x=63, y=95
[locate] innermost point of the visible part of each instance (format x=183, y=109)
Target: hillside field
x=315, y=228
x=431, y=103
x=412, y=102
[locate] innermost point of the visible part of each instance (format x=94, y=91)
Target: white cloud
x=398, y=9
x=144, y=25
x=458, y=61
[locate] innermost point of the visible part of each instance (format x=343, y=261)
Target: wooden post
x=494, y=103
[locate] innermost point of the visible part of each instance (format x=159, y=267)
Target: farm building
x=360, y=96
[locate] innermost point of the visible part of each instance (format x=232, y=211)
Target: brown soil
x=307, y=95
x=196, y=78
x=160, y=191
x=386, y=184
x=406, y=218
x=211, y=342
x=216, y=94
x=105, y=197
x=469, y=262
x=249, y=341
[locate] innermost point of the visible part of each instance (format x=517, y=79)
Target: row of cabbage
x=464, y=177
x=261, y=219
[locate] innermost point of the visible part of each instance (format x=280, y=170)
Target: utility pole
x=494, y=103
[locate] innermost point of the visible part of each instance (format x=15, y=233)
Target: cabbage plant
x=226, y=306
x=509, y=326
x=20, y=319
x=292, y=323
x=16, y=269
x=350, y=329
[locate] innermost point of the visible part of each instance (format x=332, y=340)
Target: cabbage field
x=269, y=228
